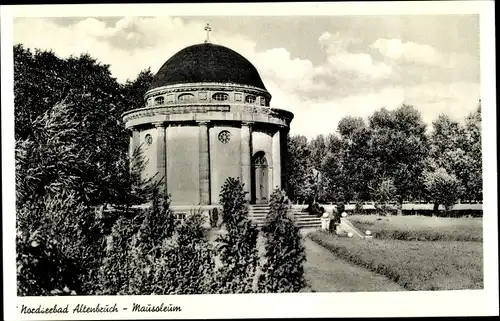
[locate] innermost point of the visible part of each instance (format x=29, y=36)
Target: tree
x=457, y=149
x=349, y=126
x=398, y=149
x=135, y=90
x=237, y=247
x=317, y=147
x=301, y=185
x=38, y=86
x=443, y=188
x=473, y=182
x=348, y=165
x=53, y=207
x=53, y=216
x=384, y=194
x=42, y=80
x=283, y=269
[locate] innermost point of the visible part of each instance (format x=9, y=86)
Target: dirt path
x=327, y=273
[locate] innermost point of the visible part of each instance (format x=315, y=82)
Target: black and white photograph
x=204, y=161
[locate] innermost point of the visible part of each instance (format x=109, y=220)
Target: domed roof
x=207, y=63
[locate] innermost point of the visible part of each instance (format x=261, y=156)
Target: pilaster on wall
x=276, y=174
x=284, y=156
x=246, y=158
x=161, y=153
x=135, y=140
x=204, y=163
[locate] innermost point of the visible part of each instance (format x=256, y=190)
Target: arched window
x=148, y=139
x=260, y=159
x=186, y=97
x=159, y=101
x=250, y=99
x=262, y=101
x=220, y=97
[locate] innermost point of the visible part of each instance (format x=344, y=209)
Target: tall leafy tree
x=41, y=80
x=136, y=89
x=301, y=177
x=347, y=164
x=399, y=147
x=317, y=146
x=473, y=182
x=456, y=148
x=59, y=237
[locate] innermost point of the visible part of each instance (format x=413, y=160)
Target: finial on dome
x=208, y=29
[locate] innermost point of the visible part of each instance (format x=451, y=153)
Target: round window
x=224, y=136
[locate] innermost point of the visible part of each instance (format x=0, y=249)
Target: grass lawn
x=420, y=228
x=438, y=265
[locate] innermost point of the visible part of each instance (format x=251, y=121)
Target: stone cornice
x=208, y=112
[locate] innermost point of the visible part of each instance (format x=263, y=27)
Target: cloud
x=408, y=51
x=336, y=43
x=341, y=60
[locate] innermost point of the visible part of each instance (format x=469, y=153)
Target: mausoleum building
x=206, y=117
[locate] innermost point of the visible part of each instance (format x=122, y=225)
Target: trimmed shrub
x=214, y=218
x=115, y=273
x=283, y=269
x=186, y=264
x=237, y=248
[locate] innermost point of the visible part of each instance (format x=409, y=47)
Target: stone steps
x=258, y=213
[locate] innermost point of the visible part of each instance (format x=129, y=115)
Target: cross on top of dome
x=208, y=29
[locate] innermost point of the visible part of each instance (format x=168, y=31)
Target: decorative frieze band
x=187, y=109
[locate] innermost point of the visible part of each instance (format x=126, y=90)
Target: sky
x=321, y=68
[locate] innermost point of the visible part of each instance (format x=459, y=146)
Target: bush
x=283, y=269
x=442, y=187
x=340, y=207
x=237, y=247
x=160, y=256
x=214, y=218
x=315, y=209
x=186, y=264
x=115, y=273
x=59, y=246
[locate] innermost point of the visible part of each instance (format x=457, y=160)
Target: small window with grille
x=186, y=97
x=159, y=101
x=250, y=99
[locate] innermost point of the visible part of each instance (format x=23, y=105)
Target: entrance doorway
x=260, y=174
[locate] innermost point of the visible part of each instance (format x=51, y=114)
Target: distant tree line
x=390, y=158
